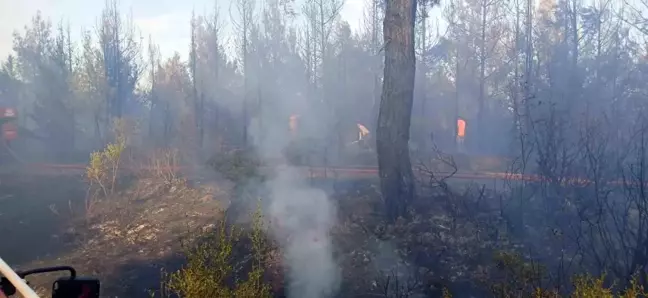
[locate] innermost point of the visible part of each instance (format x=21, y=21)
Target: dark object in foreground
x=64, y=287
x=394, y=117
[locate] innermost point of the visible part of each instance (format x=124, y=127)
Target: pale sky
x=167, y=21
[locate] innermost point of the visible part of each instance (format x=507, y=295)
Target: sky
x=166, y=21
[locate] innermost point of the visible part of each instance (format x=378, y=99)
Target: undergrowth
x=214, y=267
x=525, y=279
x=103, y=168
x=232, y=261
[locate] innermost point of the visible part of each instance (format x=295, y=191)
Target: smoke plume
x=301, y=219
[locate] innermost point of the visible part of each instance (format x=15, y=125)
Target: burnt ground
x=126, y=240
x=34, y=214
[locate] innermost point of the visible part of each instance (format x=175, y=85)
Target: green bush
x=524, y=279
x=213, y=268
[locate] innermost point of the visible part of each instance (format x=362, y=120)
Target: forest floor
x=128, y=239
x=124, y=241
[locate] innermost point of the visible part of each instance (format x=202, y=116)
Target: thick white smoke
x=301, y=221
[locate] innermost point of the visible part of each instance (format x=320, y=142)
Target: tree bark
x=393, y=133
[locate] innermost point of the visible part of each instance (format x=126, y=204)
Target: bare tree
x=244, y=26
x=308, y=44
x=157, y=107
x=198, y=102
x=372, y=19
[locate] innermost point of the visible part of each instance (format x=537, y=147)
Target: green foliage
x=212, y=269
x=95, y=171
x=586, y=286
x=519, y=278
x=524, y=279
x=103, y=166
x=446, y=293
x=589, y=287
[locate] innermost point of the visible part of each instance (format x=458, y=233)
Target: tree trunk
x=393, y=133
x=479, y=140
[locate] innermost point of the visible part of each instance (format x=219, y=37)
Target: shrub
x=103, y=168
x=161, y=165
x=96, y=171
x=213, y=268
x=524, y=279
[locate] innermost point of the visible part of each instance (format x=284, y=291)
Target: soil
x=124, y=240
x=127, y=239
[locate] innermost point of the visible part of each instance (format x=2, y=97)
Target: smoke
x=304, y=217
x=301, y=218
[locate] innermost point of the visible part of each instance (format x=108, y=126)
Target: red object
x=9, y=131
x=8, y=113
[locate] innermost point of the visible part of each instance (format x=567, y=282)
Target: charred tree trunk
x=393, y=133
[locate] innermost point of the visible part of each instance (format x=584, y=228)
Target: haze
x=277, y=148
